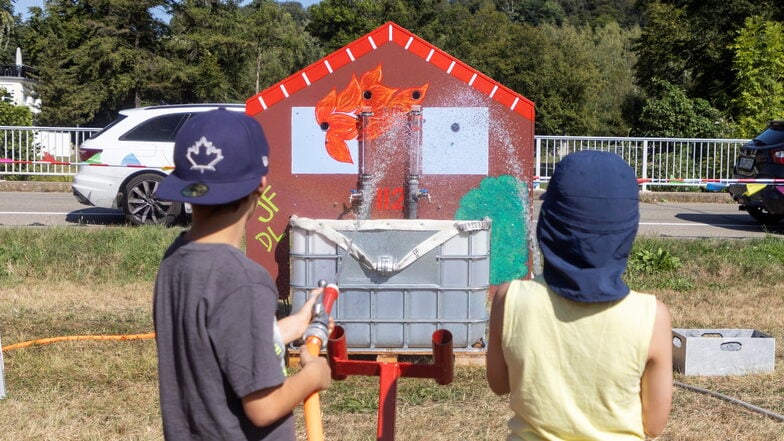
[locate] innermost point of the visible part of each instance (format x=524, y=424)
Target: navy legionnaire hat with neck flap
x=220, y=156
x=587, y=225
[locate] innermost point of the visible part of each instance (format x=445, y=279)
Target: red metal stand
x=442, y=370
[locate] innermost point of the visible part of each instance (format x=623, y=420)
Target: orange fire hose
x=312, y=405
x=46, y=341
x=315, y=336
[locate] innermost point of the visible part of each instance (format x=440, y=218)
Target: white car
x=131, y=156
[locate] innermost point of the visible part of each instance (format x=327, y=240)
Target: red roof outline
x=390, y=32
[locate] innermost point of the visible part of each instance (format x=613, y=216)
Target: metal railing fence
x=657, y=161
x=48, y=151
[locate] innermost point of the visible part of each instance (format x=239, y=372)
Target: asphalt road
x=664, y=219
x=18, y=208
x=699, y=220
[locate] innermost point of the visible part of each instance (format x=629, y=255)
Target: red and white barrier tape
x=694, y=181
x=536, y=179
x=79, y=164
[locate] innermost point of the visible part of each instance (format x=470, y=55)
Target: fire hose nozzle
x=319, y=322
x=317, y=328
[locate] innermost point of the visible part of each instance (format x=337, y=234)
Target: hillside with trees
x=685, y=68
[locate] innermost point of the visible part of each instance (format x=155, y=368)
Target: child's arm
x=293, y=326
x=266, y=406
x=656, y=383
x=497, y=371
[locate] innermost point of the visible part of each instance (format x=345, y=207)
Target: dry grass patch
x=463, y=410
x=699, y=417
x=41, y=310
x=82, y=391
x=108, y=390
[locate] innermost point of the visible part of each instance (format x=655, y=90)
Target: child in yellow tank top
x=583, y=356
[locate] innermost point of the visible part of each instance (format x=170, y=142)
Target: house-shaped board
x=392, y=127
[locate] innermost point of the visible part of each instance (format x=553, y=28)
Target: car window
x=119, y=118
x=770, y=137
x=160, y=128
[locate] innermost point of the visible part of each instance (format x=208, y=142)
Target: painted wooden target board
x=392, y=127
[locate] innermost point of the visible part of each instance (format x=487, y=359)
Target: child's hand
x=318, y=367
x=306, y=311
x=294, y=325
x=314, y=295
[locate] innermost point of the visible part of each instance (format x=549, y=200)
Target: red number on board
x=390, y=198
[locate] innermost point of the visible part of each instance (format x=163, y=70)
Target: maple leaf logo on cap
x=204, y=160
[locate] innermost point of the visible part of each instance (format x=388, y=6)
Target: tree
x=11, y=115
x=17, y=144
x=570, y=82
x=279, y=43
x=464, y=35
x=574, y=12
x=92, y=58
x=688, y=43
x=221, y=52
x=615, y=61
x=671, y=113
x=210, y=51
x=532, y=11
x=714, y=25
x=337, y=23
x=579, y=77
x=759, y=66
x=663, y=48
x=6, y=23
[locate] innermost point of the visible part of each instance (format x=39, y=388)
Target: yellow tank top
x=575, y=368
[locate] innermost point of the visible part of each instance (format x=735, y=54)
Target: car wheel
x=141, y=207
x=763, y=216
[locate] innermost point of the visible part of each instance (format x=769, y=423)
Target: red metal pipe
x=442, y=357
x=336, y=350
x=387, y=401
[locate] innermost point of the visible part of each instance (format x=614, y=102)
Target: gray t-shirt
x=214, y=312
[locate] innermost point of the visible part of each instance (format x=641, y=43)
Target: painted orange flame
x=325, y=107
x=337, y=113
x=348, y=99
x=406, y=98
x=374, y=94
x=337, y=148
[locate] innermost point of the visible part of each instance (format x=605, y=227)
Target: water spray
x=414, y=146
x=361, y=197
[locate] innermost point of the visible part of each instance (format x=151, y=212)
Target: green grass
x=125, y=255
x=102, y=255
x=76, y=281
x=681, y=265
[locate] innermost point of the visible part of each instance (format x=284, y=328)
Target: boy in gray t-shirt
x=220, y=348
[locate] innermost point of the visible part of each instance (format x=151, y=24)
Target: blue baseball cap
x=220, y=156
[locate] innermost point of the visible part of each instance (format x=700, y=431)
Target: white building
x=15, y=80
